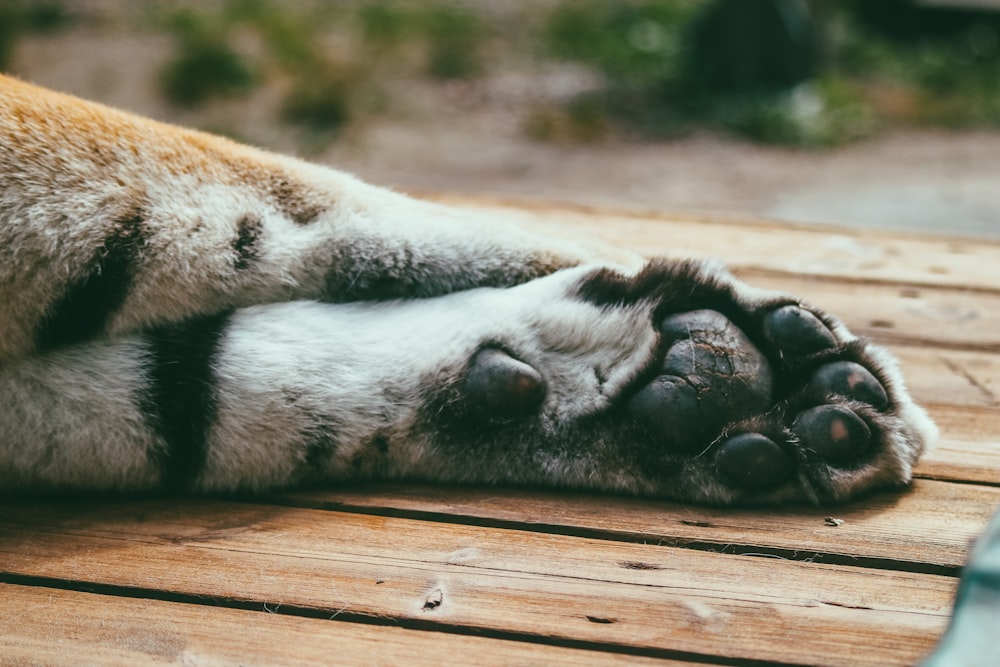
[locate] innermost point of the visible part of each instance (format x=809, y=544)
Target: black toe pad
x=753, y=461
x=852, y=380
x=834, y=432
x=798, y=331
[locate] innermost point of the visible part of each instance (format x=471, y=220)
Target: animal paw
x=729, y=395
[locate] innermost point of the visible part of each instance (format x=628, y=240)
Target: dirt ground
x=469, y=139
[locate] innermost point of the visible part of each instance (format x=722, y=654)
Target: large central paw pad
x=711, y=375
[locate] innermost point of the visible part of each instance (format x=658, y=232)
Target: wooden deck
x=430, y=576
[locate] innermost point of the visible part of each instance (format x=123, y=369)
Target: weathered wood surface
x=408, y=574
x=44, y=626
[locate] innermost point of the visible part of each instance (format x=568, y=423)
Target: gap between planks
x=937, y=315
x=878, y=256
x=484, y=580
x=906, y=288
x=941, y=318
x=927, y=529
x=958, y=391
x=51, y=626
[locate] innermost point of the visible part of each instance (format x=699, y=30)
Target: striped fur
x=179, y=312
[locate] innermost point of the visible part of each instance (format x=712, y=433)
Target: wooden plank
x=937, y=317
x=45, y=626
x=969, y=450
x=867, y=277
x=931, y=525
x=950, y=377
x=472, y=578
x=510, y=574
x=960, y=461
x=861, y=254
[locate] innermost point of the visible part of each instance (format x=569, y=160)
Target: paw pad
x=502, y=387
x=668, y=407
x=797, y=331
x=851, y=380
x=713, y=378
x=711, y=374
x=753, y=461
x=834, y=432
x=718, y=359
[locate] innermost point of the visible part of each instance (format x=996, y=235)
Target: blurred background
x=865, y=112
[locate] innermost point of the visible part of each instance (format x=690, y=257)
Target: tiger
x=181, y=313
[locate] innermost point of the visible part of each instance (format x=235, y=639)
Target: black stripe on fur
x=89, y=302
x=245, y=245
x=181, y=404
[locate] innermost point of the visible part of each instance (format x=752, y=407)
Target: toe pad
x=852, y=380
x=753, y=461
x=796, y=330
x=834, y=432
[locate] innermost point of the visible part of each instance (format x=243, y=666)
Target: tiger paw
x=727, y=395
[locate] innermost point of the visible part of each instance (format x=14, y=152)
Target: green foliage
x=950, y=80
x=206, y=66
x=324, y=84
x=18, y=17
x=584, y=119
x=631, y=43
x=8, y=36
x=640, y=49
x=454, y=39
x=330, y=61
x=325, y=88
x=386, y=25
x=813, y=115
x=292, y=39
x=322, y=104
x=450, y=37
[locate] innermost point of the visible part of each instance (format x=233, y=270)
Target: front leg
x=112, y=224
x=678, y=381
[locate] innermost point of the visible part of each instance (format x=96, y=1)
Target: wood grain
x=402, y=574
x=938, y=317
x=931, y=525
x=951, y=378
x=816, y=251
x=932, y=290
x=39, y=625
x=470, y=578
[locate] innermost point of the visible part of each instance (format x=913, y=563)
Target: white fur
x=355, y=377
x=71, y=420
